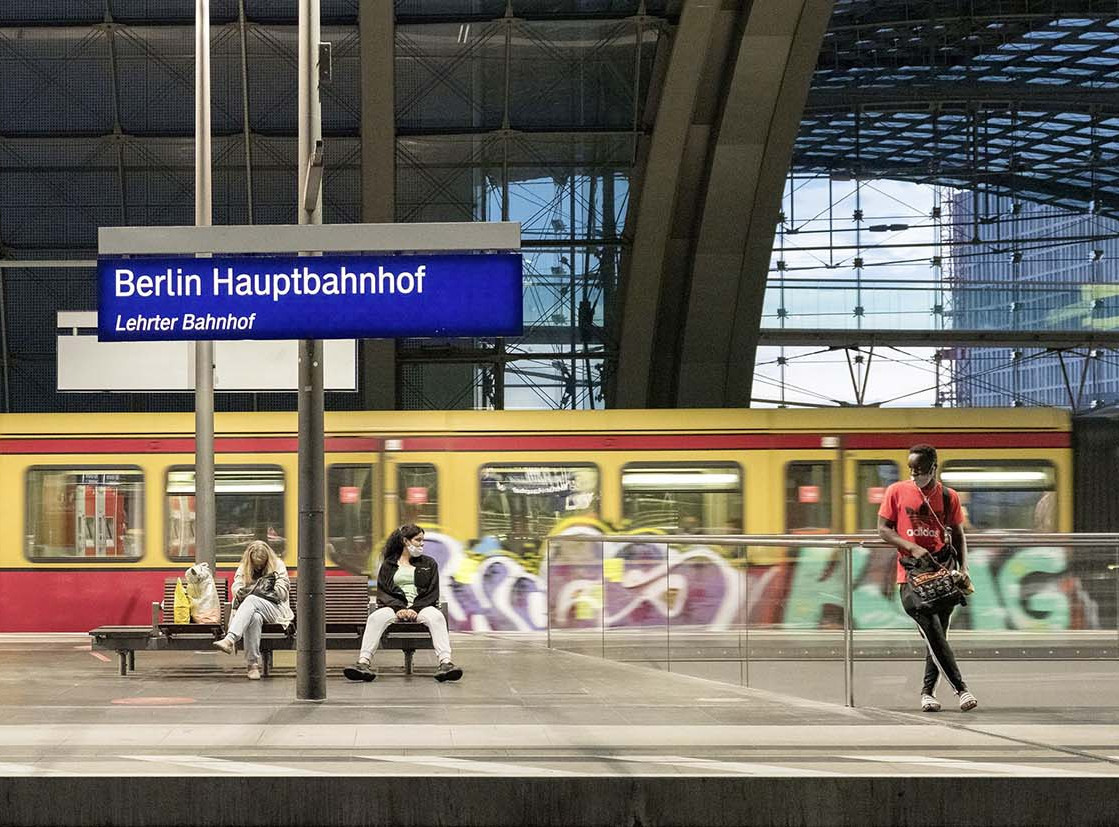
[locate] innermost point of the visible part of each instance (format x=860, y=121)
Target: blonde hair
x=246, y=568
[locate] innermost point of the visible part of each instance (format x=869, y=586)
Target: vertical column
x=310, y=673
x=376, y=26
x=204, y=507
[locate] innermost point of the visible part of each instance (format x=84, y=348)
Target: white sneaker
x=968, y=701
x=929, y=703
x=225, y=644
x=254, y=672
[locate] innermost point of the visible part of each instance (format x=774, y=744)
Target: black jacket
x=427, y=585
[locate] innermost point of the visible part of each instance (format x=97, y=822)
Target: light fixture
x=678, y=480
x=992, y=477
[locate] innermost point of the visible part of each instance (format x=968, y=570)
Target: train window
x=84, y=514
x=248, y=506
x=808, y=498
x=521, y=504
x=872, y=478
x=685, y=497
x=350, y=527
x=417, y=493
x=1004, y=495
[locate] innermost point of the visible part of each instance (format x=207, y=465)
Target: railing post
x=602, y=594
x=548, y=590
x=848, y=626
x=744, y=607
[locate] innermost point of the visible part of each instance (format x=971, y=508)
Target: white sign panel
x=87, y=365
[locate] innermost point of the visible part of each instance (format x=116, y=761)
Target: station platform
x=529, y=736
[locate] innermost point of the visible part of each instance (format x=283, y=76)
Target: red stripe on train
x=733, y=442
x=178, y=445
x=546, y=442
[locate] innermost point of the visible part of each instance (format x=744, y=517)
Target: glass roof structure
x=1022, y=97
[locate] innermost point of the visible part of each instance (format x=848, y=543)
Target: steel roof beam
x=866, y=338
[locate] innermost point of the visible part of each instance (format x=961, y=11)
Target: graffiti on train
x=587, y=585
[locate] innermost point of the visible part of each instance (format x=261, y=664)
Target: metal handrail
x=985, y=539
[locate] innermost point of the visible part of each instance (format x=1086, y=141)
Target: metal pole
x=4, y=343
x=848, y=627
x=310, y=672
x=246, y=128
x=204, y=519
x=548, y=588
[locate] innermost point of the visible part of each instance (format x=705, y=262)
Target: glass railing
x=820, y=617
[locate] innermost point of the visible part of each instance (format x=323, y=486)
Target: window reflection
x=1005, y=495
x=248, y=506
x=75, y=513
x=688, y=498
x=521, y=504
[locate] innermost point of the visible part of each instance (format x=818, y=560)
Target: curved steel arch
x=710, y=192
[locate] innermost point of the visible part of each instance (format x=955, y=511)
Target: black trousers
x=934, y=629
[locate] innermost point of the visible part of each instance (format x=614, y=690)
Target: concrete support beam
x=674, y=159
x=376, y=29
x=707, y=200
x=764, y=102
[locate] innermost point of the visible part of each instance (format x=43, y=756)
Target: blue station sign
x=309, y=297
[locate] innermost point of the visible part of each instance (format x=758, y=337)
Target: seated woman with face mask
x=407, y=590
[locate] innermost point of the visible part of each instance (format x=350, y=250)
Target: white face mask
x=923, y=480
x=416, y=549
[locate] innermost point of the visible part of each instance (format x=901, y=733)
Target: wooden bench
x=160, y=635
x=347, y=607
x=346, y=603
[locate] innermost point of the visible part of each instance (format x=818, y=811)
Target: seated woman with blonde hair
x=260, y=595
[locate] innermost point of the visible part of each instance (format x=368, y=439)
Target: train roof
x=388, y=423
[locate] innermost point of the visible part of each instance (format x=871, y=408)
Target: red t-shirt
x=904, y=504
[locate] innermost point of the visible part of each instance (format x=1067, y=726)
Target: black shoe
x=447, y=672
x=360, y=672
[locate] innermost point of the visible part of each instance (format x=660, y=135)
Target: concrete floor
x=524, y=710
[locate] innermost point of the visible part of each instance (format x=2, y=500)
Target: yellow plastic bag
x=182, y=603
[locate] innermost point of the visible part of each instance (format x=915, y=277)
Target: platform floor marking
x=24, y=769
x=467, y=765
x=706, y=765
x=993, y=767
x=99, y=656
x=221, y=765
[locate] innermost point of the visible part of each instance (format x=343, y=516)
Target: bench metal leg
x=131, y=660
x=266, y=657
x=408, y=661
x=123, y=658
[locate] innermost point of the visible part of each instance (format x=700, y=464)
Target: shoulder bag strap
x=939, y=522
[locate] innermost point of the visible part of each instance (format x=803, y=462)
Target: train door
x=866, y=475
x=353, y=525
x=414, y=487
x=811, y=496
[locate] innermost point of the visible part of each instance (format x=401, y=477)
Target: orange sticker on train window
x=415, y=495
x=875, y=494
x=348, y=494
x=808, y=493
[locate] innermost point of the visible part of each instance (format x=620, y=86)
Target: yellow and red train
x=98, y=508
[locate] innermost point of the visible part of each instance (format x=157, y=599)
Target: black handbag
x=266, y=587
x=935, y=586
